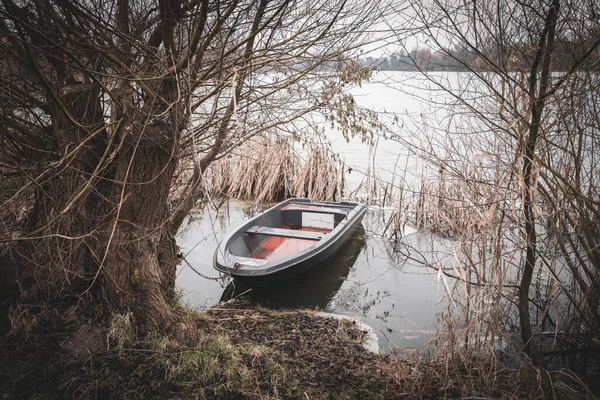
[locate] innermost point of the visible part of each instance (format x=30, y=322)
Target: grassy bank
x=243, y=351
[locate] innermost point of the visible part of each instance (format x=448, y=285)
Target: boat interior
x=280, y=233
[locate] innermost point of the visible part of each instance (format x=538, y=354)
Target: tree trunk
x=51, y=262
x=542, y=61
x=100, y=226
x=137, y=249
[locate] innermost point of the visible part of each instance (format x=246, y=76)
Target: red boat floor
x=278, y=247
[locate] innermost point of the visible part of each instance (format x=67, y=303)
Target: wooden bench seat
x=317, y=209
x=291, y=233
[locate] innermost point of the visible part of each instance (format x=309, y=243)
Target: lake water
x=413, y=111
x=370, y=278
x=382, y=283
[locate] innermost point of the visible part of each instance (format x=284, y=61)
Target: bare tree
x=526, y=118
x=101, y=101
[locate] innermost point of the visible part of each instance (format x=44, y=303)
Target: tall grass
x=480, y=211
x=267, y=169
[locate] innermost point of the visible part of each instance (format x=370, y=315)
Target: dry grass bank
x=242, y=351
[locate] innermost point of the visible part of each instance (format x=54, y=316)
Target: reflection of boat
x=311, y=290
x=286, y=240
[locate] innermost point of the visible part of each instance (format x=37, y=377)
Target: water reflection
x=314, y=289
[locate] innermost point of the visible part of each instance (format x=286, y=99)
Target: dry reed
x=481, y=215
x=267, y=169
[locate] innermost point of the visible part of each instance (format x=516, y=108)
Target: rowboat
x=288, y=239
x=313, y=289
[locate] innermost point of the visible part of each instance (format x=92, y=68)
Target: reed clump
x=267, y=169
x=449, y=206
x=452, y=209
x=467, y=374
x=481, y=213
x=320, y=177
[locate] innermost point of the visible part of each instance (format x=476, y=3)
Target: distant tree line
x=416, y=60
x=518, y=57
